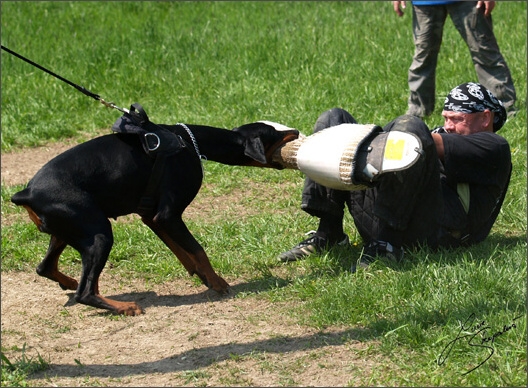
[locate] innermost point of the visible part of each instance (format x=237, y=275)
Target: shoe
x=375, y=250
x=313, y=244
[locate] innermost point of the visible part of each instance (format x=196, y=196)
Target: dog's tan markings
x=196, y=264
x=184, y=258
x=66, y=282
x=123, y=308
x=49, y=267
x=213, y=280
x=95, y=299
x=34, y=217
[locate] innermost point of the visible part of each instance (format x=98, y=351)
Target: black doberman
x=73, y=196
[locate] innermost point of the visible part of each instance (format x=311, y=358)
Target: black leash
x=171, y=144
x=136, y=111
x=82, y=89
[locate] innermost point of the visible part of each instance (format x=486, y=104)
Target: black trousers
x=404, y=208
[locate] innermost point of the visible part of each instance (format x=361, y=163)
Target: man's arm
x=439, y=143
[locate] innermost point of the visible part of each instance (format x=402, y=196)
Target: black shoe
x=375, y=250
x=313, y=244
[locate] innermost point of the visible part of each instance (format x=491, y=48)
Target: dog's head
x=262, y=138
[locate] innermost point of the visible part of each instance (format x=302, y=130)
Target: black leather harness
x=158, y=143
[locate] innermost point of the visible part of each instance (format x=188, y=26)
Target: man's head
x=471, y=108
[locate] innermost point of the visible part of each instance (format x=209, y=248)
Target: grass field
x=229, y=63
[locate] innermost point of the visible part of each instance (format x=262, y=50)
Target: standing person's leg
x=428, y=25
x=477, y=31
x=321, y=202
x=403, y=208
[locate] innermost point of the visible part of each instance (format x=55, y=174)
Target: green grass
x=15, y=372
x=229, y=63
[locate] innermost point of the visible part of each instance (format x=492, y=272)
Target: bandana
x=472, y=98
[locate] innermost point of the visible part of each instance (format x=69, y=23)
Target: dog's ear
x=254, y=148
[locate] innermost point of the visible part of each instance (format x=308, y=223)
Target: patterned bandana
x=472, y=98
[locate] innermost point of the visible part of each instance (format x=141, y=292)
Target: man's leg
x=492, y=70
x=321, y=202
x=428, y=25
x=403, y=208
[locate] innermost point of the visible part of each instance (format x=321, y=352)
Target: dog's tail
x=21, y=198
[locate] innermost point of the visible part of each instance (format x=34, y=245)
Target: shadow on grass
x=198, y=358
x=505, y=241
x=479, y=305
x=498, y=299
x=477, y=253
x=148, y=299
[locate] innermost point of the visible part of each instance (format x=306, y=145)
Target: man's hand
x=399, y=6
x=488, y=6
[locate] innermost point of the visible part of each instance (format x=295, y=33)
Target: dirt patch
x=19, y=166
x=188, y=336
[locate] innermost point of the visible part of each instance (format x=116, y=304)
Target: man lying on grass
x=450, y=197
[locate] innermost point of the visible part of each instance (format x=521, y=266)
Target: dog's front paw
x=219, y=285
x=116, y=307
x=71, y=284
x=131, y=309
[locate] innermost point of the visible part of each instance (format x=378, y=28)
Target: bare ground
x=188, y=335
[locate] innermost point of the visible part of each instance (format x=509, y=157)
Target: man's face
x=464, y=123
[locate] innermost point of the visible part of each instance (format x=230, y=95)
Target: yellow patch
x=394, y=149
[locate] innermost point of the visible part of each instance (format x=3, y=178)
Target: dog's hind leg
x=181, y=242
x=49, y=265
x=95, y=247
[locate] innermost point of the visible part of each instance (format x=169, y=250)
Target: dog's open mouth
x=289, y=138
x=275, y=148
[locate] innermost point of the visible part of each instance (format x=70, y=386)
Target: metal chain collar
x=193, y=139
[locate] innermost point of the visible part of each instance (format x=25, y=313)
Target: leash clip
x=154, y=147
